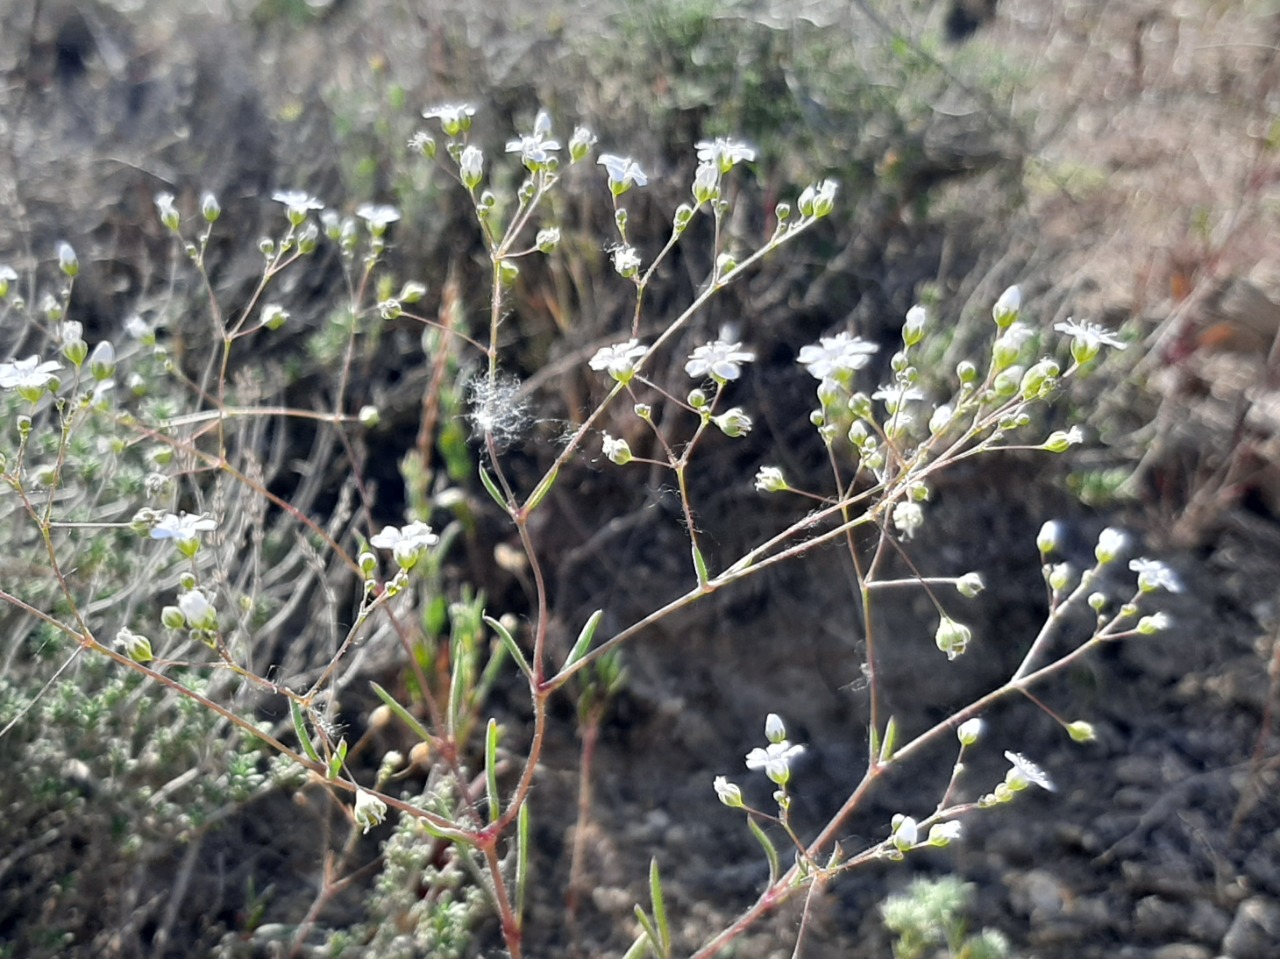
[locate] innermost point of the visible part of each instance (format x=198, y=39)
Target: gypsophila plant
x=161, y=458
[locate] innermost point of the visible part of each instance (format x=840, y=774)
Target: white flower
x=969, y=731
x=907, y=518
x=775, y=759
x=377, y=215
x=416, y=535
x=841, y=353
x=723, y=153
x=769, y=479
x=535, y=148
x=370, y=811
x=1111, y=542
x=817, y=200
x=719, y=360
x=619, y=360
x=616, y=451
x=298, y=202
x=1025, y=772
x=943, y=833
x=896, y=396
x=197, y=609
x=580, y=143
x=1155, y=623
x=728, y=793
x=182, y=527
x=951, y=637
x=28, y=374
x=1061, y=440
x=623, y=172
x=1089, y=335
x=626, y=261
x=454, y=118
x=1154, y=575
x=733, y=422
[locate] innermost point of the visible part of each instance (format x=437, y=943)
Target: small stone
x=1182, y=950
x=1254, y=931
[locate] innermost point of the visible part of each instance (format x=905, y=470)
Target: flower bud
x=172, y=618
x=733, y=422
x=369, y=811
x=775, y=729
x=68, y=262
x=1007, y=307
x=209, y=208
x=969, y=731
x=1061, y=577
x=102, y=362
x=952, y=637
x=168, y=212
x=913, y=328
x=136, y=647
x=548, y=240
x=1111, y=542
x=1081, y=732
x=75, y=351
x=905, y=832
x=728, y=793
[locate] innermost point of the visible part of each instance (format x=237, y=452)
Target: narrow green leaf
x=659, y=907
x=300, y=728
x=459, y=686
x=338, y=759
x=890, y=740
x=418, y=729
x=541, y=491
x=875, y=742
x=512, y=646
x=492, y=487
x=584, y=638
x=491, y=768
x=522, y=860
x=767, y=845
x=700, y=565
x=650, y=932
x=638, y=948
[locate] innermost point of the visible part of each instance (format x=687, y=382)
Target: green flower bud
x=1081, y=732
x=952, y=638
